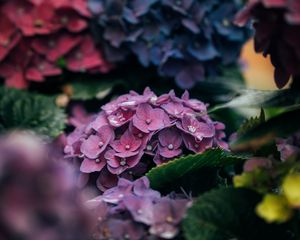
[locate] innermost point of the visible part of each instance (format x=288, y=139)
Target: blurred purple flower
x=132, y=207
x=38, y=195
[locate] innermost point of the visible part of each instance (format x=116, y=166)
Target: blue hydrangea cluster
x=188, y=40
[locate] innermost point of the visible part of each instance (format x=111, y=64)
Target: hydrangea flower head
x=133, y=210
x=44, y=32
x=277, y=25
x=187, y=39
x=135, y=132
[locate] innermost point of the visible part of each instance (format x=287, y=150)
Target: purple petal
x=92, y=165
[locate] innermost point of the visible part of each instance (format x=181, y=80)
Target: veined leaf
x=251, y=123
x=171, y=173
x=225, y=214
x=266, y=132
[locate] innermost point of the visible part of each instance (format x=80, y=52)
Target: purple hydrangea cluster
x=132, y=210
x=134, y=132
x=38, y=197
x=185, y=39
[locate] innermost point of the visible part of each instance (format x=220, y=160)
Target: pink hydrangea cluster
x=36, y=34
x=134, y=132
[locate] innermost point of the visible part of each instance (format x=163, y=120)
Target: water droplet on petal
x=123, y=162
x=191, y=129
x=170, y=146
x=149, y=148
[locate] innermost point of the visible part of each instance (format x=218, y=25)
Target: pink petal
x=90, y=147
x=158, y=117
x=34, y=75
x=126, y=154
x=16, y=80
x=7, y=30
x=143, y=111
x=90, y=165
x=106, y=134
x=77, y=25
x=117, y=146
x=205, y=130
x=55, y=46
x=167, y=153
x=117, y=170
x=120, y=117
x=129, y=139
x=106, y=180
x=97, y=123
x=133, y=161
x=111, y=158
x=140, y=124
x=170, y=136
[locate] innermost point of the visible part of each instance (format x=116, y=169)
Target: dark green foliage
x=24, y=110
x=251, y=123
x=227, y=214
x=194, y=173
x=266, y=132
x=83, y=90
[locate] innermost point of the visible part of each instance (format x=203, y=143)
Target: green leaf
x=279, y=126
x=86, y=90
x=248, y=98
x=251, y=123
x=175, y=172
x=227, y=214
x=30, y=111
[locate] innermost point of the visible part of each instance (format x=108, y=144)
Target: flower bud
x=291, y=189
x=274, y=209
x=257, y=180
